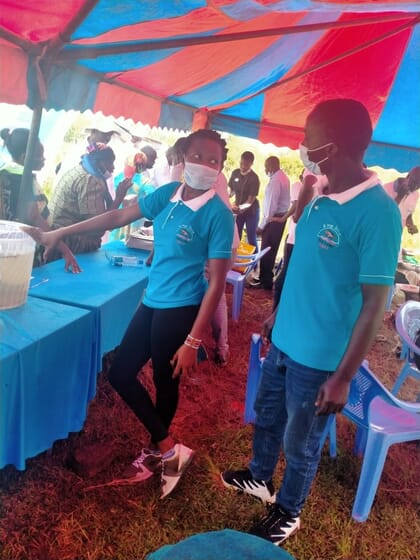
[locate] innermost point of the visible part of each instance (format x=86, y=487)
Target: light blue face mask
x=311, y=166
x=200, y=177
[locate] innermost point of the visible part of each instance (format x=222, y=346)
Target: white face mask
x=199, y=176
x=311, y=165
x=107, y=174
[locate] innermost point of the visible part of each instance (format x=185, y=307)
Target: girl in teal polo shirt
x=192, y=226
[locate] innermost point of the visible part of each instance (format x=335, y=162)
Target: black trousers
x=155, y=334
x=271, y=237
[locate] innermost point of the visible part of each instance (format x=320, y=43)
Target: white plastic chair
x=407, y=323
x=237, y=279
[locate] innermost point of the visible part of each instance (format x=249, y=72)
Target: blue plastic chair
x=382, y=420
x=407, y=323
x=237, y=279
x=254, y=375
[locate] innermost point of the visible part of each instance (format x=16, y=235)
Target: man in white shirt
x=275, y=206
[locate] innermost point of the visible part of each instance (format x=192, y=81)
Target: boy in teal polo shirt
x=330, y=310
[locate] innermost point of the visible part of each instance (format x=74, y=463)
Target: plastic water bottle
x=124, y=260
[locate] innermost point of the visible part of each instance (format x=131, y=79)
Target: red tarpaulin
x=249, y=67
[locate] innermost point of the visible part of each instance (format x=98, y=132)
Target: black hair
x=179, y=147
x=149, y=152
x=347, y=121
x=273, y=159
x=176, y=152
x=16, y=141
x=248, y=156
x=207, y=134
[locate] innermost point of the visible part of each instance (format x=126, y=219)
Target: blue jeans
x=250, y=218
x=286, y=419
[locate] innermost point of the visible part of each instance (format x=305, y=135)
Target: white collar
x=351, y=193
x=195, y=203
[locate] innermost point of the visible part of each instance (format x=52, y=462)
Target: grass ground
x=48, y=512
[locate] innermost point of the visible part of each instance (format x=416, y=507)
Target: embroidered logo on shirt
x=184, y=234
x=328, y=236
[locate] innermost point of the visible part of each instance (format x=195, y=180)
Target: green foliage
x=289, y=159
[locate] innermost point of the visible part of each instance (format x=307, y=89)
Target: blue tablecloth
x=48, y=370
x=113, y=293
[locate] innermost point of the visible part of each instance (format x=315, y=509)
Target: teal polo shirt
x=186, y=235
x=342, y=241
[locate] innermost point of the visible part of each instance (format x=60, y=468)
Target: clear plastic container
x=16, y=258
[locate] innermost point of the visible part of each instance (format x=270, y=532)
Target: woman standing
x=191, y=226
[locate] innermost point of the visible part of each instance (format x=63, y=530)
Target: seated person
x=35, y=210
x=82, y=193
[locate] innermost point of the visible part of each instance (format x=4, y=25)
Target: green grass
x=50, y=513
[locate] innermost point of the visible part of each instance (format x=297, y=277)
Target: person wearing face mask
x=330, y=309
x=192, y=227
x=275, y=208
x=37, y=213
x=244, y=185
x=82, y=193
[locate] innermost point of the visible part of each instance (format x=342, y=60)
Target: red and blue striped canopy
x=250, y=67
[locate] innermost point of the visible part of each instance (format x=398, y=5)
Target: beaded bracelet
x=194, y=340
x=190, y=345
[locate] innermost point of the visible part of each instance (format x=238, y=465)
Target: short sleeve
x=255, y=185
x=379, y=246
x=152, y=204
x=221, y=235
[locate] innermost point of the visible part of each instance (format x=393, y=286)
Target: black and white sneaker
x=276, y=526
x=243, y=481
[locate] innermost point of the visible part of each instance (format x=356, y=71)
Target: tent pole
x=26, y=189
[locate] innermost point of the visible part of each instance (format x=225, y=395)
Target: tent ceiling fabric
x=249, y=67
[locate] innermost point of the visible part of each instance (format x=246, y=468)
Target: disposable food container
x=16, y=258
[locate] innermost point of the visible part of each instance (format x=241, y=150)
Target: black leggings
x=156, y=334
